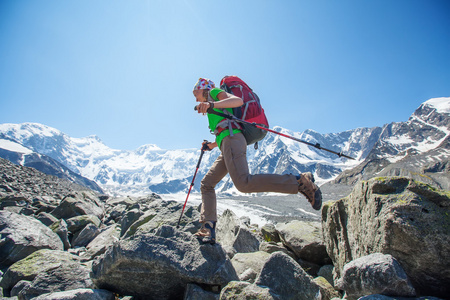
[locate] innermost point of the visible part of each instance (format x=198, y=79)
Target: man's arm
x=225, y=101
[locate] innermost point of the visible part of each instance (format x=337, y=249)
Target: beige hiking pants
x=233, y=160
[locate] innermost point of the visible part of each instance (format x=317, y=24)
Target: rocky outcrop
x=78, y=294
x=165, y=263
x=23, y=235
x=375, y=274
x=32, y=185
x=305, y=240
x=235, y=235
x=45, y=271
x=281, y=277
x=398, y=216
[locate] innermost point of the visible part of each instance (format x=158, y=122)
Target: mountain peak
x=442, y=105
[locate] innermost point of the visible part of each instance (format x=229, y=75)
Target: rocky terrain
x=389, y=239
x=21, y=155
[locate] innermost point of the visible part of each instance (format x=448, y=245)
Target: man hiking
x=233, y=160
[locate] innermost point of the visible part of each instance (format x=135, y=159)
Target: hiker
x=233, y=160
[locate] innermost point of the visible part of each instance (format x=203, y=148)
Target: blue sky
x=124, y=70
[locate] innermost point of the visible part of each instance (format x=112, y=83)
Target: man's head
x=202, y=88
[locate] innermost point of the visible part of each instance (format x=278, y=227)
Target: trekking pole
x=204, y=148
x=317, y=145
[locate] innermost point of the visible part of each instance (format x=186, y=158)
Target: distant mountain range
x=418, y=147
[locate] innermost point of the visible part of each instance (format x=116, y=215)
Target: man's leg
x=234, y=151
x=212, y=178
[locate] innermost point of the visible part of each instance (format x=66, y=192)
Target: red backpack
x=251, y=111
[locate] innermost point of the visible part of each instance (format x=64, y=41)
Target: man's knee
x=242, y=187
x=206, y=184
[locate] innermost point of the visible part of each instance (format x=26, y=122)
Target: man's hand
x=207, y=146
x=203, y=107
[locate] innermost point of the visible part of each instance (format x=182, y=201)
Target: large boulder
x=305, y=240
x=285, y=278
x=195, y=292
x=375, y=274
x=78, y=294
x=234, y=235
x=160, y=265
x=85, y=236
x=22, y=235
x=397, y=216
x=102, y=241
x=78, y=204
x=62, y=278
x=77, y=223
x=383, y=297
x=249, y=265
x=43, y=262
x=160, y=213
x=326, y=289
x=60, y=228
x=242, y=290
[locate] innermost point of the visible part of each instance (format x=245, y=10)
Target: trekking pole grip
x=209, y=110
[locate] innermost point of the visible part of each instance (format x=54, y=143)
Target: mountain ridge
x=151, y=169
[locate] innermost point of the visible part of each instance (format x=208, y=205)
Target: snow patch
x=442, y=105
x=14, y=147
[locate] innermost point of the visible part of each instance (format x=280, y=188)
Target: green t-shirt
x=214, y=120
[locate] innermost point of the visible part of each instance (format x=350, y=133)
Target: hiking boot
x=207, y=233
x=310, y=190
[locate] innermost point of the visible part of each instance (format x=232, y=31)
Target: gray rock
x=270, y=233
x=41, y=261
x=383, y=297
x=85, y=236
x=326, y=289
x=19, y=287
x=249, y=265
x=164, y=262
x=46, y=218
x=285, y=278
x=375, y=274
x=271, y=247
x=102, y=241
x=161, y=213
x=21, y=236
x=194, y=292
x=78, y=204
x=396, y=216
x=235, y=236
x=62, y=278
x=309, y=267
x=60, y=228
x=116, y=213
x=78, y=294
x=327, y=273
x=241, y=290
x=305, y=240
x=129, y=218
x=76, y=224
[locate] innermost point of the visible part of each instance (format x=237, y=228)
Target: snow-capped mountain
x=418, y=148
x=24, y=156
x=151, y=169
